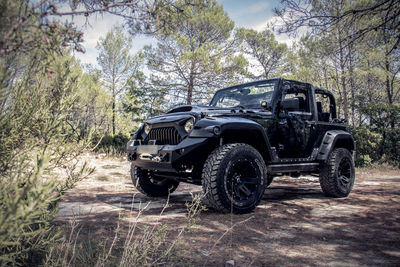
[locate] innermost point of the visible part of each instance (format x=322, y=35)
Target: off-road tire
x=337, y=173
x=144, y=183
x=225, y=167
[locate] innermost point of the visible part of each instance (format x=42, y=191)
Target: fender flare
x=333, y=139
x=205, y=128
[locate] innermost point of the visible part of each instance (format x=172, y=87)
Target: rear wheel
x=338, y=174
x=151, y=186
x=234, y=177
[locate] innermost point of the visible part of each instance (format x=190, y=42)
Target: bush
x=375, y=145
x=392, y=147
x=38, y=154
x=368, y=144
x=29, y=195
x=111, y=145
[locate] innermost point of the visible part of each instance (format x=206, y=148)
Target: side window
x=302, y=96
x=323, y=107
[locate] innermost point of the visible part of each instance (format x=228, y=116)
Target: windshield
x=248, y=96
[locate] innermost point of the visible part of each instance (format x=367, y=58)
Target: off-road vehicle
x=249, y=134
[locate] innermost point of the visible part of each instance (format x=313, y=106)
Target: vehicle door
x=295, y=123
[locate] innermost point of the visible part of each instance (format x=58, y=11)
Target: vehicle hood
x=201, y=111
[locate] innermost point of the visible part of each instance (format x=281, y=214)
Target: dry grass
x=140, y=245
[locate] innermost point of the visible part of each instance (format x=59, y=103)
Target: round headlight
x=189, y=125
x=146, y=128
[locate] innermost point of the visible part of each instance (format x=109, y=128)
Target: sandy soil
x=295, y=224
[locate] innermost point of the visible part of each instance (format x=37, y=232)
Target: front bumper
x=169, y=158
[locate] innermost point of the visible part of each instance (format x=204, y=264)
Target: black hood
x=200, y=111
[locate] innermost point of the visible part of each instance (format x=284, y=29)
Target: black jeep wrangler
x=249, y=134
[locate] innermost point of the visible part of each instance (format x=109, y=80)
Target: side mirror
x=290, y=104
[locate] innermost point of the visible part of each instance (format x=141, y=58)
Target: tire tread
x=150, y=190
x=210, y=174
x=327, y=177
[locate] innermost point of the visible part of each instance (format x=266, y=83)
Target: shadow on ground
x=295, y=224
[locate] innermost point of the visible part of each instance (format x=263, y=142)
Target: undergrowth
x=134, y=243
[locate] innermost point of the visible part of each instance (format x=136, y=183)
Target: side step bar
x=293, y=167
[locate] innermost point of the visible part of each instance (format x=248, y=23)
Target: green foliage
x=143, y=100
x=25, y=28
x=392, y=147
x=112, y=145
x=368, y=143
x=92, y=109
x=380, y=140
x=118, y=66
x=29, y=197
x=268, y=53
x=37, y=139
x=195, y=55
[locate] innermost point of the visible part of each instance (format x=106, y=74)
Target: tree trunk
x=191, y=85
x=352, y=89
x=113, y=109
x=190, y=92
x=343, y=80
x=325, y=78
x=389, y=91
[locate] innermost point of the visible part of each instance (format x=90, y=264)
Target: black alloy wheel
x=234, y=178
x=337, y=173
x=242, y=181
x=344, y=173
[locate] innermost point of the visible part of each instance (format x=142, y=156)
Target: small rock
x=204, y=252
x=230, y=263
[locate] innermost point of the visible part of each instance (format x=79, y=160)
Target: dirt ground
x=295, y=224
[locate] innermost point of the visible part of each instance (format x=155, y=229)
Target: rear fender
x=335, y=139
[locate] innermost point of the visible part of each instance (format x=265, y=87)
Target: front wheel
x=146, y=183
x=234, y=178
x=337, y=173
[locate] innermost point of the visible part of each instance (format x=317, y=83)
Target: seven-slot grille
x=164, y=136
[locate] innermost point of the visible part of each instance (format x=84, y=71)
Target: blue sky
x=253, y=14
x=249, y=13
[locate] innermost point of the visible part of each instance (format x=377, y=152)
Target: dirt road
x=295, y=224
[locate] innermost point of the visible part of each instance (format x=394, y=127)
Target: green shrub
x=112, y=145
x=368, y=144
x=392, y=147
x=29, y=195
x=375, y=145
x=38, y=153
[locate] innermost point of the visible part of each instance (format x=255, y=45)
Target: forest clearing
x=81, y=79
x=295, y=224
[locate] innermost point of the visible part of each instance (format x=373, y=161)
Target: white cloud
x=93, y=28
x=274, y=23
x=260, y=26
x=97, y=26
